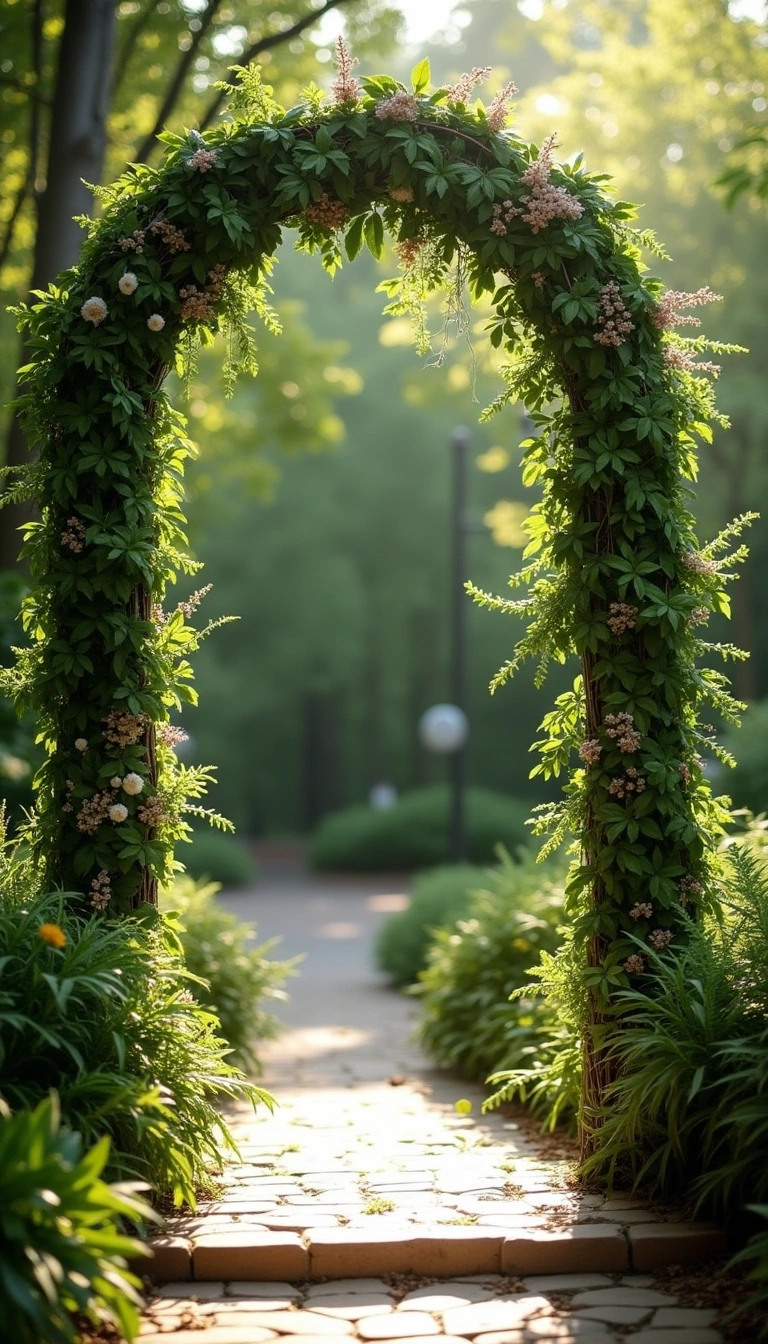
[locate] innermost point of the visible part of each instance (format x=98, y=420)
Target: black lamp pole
x=457, y=823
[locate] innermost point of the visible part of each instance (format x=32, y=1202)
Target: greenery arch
x=615, y=573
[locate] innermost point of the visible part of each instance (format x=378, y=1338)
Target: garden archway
x=615, y=574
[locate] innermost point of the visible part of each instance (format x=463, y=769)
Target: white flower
x=127, y=283
x=155, y=322
x=118, y=812
x=81, y=744
x=133, y=783
x=94, y=310
x=116, y=782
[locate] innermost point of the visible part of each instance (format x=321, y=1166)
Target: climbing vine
x=614, y=572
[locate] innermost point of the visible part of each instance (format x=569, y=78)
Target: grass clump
x=62, y=1248
x=105, y=1014
x=414, y=833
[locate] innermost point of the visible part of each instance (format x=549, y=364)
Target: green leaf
x=353, y=239
x=420, y=76
x=374, y=234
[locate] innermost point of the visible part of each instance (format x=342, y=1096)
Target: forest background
x=321, y=499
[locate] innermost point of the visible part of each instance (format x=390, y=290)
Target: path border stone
x=256, y=1253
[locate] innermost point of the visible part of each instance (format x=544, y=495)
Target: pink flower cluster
x=660, y=938
x=101, y=890
x=401, y=193
x=683, y=361
x=499, y=108
x=399, y=107
x=199, y=304
x=203, y=160
x=461, y=91
x=697, y=564
x=73, y=535
x=635, y=964
x=409, y=250
x=329, y=213
x=589, y=751
x=622, y=617
x=345, y=87
x=502, y=216
x=689, y=886
x=613, y=317
x=665, y=313
x=621, y=727
x=171, y=735
x=632, y=782
x=546, y=201
x=642, y=910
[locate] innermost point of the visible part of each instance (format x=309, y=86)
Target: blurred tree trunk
x=322, y=757
x=76, y=144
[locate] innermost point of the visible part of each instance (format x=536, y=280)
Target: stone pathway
x=427, y=1223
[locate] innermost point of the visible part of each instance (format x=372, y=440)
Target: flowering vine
x=615, y=573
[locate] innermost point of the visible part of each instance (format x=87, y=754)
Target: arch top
x=615, y=572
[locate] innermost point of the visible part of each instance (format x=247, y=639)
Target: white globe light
x=444, y=728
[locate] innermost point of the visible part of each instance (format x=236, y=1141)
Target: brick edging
x=257, y=1254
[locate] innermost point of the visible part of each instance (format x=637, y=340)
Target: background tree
x=92, y=84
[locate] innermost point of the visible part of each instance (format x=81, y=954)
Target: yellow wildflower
x=52, y=935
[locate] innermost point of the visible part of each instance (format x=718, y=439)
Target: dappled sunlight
x=340, y=929
x=386, y=905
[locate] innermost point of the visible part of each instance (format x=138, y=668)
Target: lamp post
x=459, y=528
x=444, y=728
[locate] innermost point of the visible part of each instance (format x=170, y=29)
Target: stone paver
x=287, y=1250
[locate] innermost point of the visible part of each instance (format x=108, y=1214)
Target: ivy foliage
x=614, y=571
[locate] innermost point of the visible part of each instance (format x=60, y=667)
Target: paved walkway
x=425, y=1222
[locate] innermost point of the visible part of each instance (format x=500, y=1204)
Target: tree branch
x=177, y=82
x=129, y=44
x=37, y=70
x=265, y=44
x=10, y=228
x=30, y=176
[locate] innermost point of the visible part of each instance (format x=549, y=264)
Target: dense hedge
x=414, y=833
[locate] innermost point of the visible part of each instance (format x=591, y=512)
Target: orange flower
x=52, y=935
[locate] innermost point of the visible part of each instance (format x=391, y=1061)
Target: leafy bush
x=689, y=1108
x=61, y=1250
x=216, y=856
x=103, y=1013
x=476, y=963
x=414, y=833
x=756, y=1254
x=233, y=979
x=437, y=898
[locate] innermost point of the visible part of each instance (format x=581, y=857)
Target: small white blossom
x=81, y=744
x=116, y=782
x=133, y=783
x=117, y=812
x=94, y=310
x=128, y=283
x=155, y=322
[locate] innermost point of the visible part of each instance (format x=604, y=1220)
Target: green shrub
x=756, y=1254
x=234, y=979
x=476, y=963
x=437, y=898
x=61, y=1250
x=689, y=1109
x=216, y=856
x=107, y=1018
x=414, y=833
